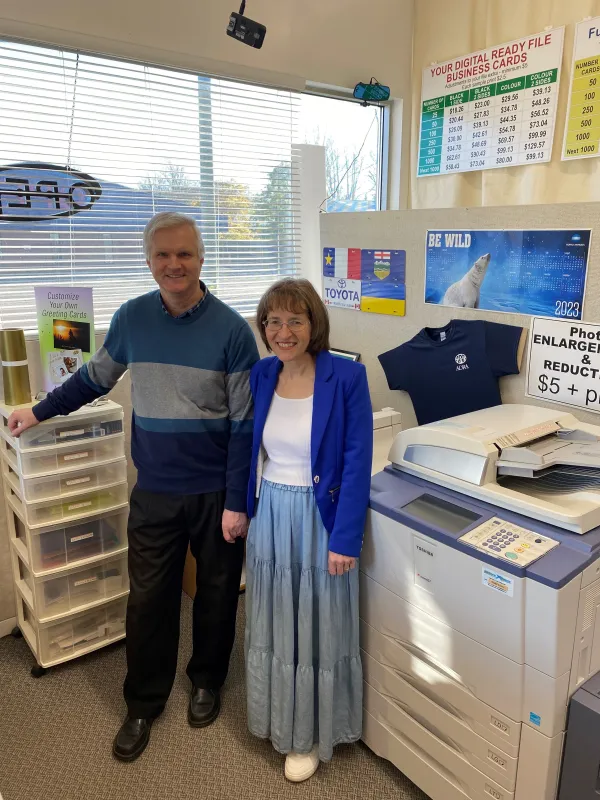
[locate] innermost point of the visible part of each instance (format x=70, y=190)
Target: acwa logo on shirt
x=461, y=362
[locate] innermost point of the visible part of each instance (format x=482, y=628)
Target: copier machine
x=480, y=588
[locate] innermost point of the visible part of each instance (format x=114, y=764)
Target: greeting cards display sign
x=66, y=328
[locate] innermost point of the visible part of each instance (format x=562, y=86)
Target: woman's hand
x=338, y=564
x=235, y=526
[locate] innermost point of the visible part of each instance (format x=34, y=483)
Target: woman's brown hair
x=296, y=295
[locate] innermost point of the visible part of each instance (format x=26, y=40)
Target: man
x=189, y=356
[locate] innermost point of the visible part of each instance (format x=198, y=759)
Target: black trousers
x=160, y=527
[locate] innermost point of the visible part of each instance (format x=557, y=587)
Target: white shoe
x=301, y=766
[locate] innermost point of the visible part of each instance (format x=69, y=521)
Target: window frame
x=102, y=328
x=383, y=144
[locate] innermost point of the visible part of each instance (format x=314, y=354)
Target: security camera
x=246, y=30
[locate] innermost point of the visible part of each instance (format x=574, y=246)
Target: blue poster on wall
x=541, y=273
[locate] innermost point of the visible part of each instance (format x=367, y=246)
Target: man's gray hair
x=170, y=219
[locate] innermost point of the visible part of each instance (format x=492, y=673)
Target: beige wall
x=337, y=42
x=445, y=30
x=372, y=334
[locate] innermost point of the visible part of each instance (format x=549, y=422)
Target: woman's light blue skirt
x=303, y=669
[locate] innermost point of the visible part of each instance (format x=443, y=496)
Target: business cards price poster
x=365, y=280
x=540, y=272
x=582, y=131
x=65, y=317
x=493, y=108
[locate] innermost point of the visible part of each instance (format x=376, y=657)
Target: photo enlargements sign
x=564, y=363
x=66, y=329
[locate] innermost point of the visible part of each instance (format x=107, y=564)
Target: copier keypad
x=508, y=541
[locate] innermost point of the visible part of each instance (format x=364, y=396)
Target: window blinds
x=91, y=147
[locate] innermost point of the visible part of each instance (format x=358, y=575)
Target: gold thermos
x=15, y=373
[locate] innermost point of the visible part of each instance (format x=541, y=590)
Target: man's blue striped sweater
x=192, y=407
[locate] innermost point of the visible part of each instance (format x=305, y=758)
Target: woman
x=308, y=496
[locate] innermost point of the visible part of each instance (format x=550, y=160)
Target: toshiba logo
x=423, y=550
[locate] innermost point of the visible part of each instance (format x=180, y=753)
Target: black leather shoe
x=204, y=707
x=132, y=738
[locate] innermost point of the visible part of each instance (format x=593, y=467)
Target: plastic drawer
x=89, y=424
x=69, y=591
x=65, y=457
x=54, y=642
x=57, y=546
x=32, y=490
x=49, y=512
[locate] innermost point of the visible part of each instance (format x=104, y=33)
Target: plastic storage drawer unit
x=85, y=424
x=50, y=512
x=60, y=458
x=55, y=642
x=64, y=484
x=60, y=545
x=71, y=590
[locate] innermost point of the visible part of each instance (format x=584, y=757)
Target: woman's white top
x=286, y=439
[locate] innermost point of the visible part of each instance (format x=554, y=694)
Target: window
x=108, y=248
x=56, y=247
x=91, y=147
x=352, y=137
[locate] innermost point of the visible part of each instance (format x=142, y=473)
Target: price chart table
x=503, y=113
x=582, y=131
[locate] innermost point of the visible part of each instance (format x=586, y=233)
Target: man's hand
x=235, y=525
x=20, y=420
x=339, y=564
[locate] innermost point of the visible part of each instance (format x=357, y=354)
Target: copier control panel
x=508, y=541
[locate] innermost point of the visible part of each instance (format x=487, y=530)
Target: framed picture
x=345, y=354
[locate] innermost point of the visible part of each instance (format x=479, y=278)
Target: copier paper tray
x=559, y=479
x=572, y=448
x=535, y=461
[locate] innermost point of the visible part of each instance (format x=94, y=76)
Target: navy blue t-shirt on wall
x=455, y=369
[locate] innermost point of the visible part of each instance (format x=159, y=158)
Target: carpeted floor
x=56, y=734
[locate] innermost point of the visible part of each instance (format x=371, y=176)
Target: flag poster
x=365, y=280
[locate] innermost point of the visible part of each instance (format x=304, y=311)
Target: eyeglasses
x=293, y=325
